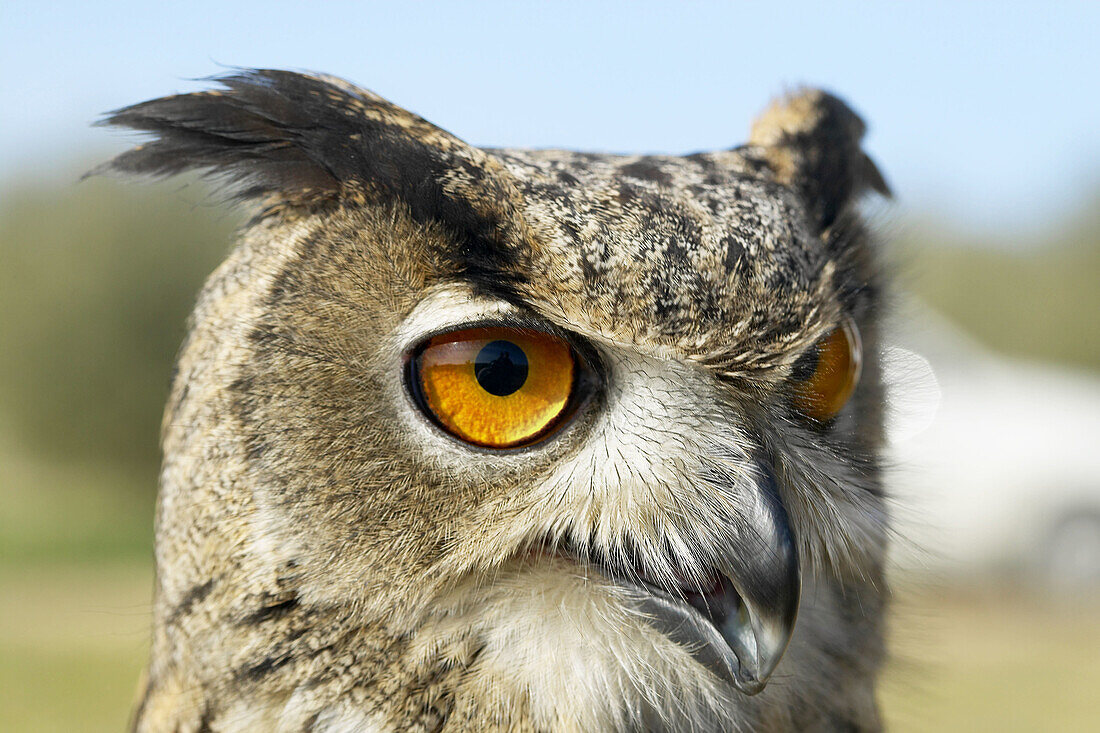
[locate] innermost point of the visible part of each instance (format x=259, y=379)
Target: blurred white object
x=996, y=462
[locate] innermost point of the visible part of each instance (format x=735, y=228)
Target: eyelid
x=510, y=322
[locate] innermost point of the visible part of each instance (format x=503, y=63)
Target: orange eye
x=495, y=387
x=826, y=378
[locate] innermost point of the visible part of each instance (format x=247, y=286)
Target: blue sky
x=986, y=112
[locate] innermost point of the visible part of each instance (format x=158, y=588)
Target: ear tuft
x=258, y=136
x=288, y=139
x=811, y=141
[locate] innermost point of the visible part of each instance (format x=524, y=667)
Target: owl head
x=531, y=439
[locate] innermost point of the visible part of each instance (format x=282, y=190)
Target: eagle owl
x=517, y=440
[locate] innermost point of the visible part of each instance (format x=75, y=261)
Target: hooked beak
x=740, y=629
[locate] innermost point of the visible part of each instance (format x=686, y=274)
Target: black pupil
x=500, y=368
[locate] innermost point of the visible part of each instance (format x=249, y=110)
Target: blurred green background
x=96, y=283
x=983, y=117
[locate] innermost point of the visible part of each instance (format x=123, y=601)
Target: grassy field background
x=992, y=659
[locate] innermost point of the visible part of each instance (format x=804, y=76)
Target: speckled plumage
x=328, y=560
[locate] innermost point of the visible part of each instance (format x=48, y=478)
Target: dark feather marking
x=193, y=596
x=268, y=665
x=273, y=611
x=206, y=719
x=646, y=170
x=841, y=725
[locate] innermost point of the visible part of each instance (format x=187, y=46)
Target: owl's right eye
x=495, y=387
x=827, y=375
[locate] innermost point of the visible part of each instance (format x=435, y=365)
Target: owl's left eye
x=495, y=387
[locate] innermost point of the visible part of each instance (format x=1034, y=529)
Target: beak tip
x=749, y=683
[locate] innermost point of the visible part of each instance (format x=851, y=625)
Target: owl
x=518, y=440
